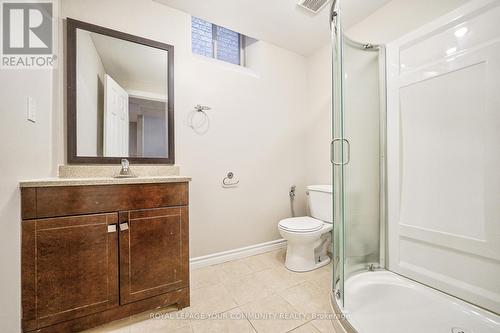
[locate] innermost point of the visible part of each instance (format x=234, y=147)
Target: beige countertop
x=56, y=181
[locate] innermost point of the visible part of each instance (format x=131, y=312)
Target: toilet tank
x=320, y=200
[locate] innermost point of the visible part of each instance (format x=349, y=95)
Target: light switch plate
x=31, y=109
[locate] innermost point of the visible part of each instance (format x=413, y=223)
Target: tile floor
x=254, y=294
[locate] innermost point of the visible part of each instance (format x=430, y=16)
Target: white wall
x=319, y=117
x=27, y=152
x=399, y=17
x=256, y=126
x=90, y=104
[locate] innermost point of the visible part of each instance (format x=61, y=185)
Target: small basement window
x=217, y=42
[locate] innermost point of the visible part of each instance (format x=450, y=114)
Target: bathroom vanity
x=97, y=250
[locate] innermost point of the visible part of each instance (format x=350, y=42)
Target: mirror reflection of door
x=122, y=98
x=116, y=124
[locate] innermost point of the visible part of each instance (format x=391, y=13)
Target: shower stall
x=416, y=176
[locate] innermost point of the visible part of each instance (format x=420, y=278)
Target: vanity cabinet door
x=69, y=268
x=154, y=256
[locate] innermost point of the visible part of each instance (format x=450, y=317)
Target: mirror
x=120, y=97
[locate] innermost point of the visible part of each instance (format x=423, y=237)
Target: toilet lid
x=301, y=224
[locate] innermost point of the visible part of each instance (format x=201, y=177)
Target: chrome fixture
x=228, y=180
x=459, y=330
x=332, y=151
x=125, y=167
x=202, y=108
x=333, y=12
x=334, y=16
x=198, y=119
x=291, y=194
x=125, y=170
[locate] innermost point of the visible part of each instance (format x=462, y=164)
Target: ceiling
x=124, y=62
x=280, y=22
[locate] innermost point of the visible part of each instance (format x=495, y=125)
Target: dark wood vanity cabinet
x=127, y=255
x=151, y=261
x=70, y=268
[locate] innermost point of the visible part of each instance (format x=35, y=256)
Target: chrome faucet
x=125, y=170
x=125, y=167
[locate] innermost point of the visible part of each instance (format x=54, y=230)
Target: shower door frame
x=337, y=167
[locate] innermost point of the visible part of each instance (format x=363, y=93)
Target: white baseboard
x=220, y=257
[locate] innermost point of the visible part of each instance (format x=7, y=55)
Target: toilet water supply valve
x=292, y=197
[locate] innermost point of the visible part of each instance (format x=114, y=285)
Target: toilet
x=308, y=237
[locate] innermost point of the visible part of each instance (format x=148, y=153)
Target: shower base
x=384, y=302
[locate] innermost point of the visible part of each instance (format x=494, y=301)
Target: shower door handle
x=348, y=151
x=332, y=151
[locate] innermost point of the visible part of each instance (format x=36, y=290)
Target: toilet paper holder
x=229, y=181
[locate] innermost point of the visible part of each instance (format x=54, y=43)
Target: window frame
x=241, y=44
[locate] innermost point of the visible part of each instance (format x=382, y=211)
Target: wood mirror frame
x=71, y=98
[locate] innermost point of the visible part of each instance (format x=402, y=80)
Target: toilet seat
x=301, y=224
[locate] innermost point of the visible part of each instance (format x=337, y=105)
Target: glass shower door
x=363, y=124
x=358, y=141
x=337, y=159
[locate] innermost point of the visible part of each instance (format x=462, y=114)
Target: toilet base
x=292, y=265
x=300, y=260
x=323, y=261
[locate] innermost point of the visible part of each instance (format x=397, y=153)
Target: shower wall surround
x=443, y=154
